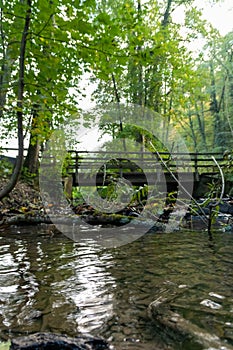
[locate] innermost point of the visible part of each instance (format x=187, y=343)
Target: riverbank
x=25, y=206
x=24, y=199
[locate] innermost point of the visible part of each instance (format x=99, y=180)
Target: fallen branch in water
x=160, y=311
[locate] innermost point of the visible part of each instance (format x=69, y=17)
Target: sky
x=220, y=15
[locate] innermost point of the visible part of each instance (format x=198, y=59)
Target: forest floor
x=23, y=199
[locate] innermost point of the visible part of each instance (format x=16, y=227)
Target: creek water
x=57, y=285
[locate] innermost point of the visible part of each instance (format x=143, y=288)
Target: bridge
x=100, y=168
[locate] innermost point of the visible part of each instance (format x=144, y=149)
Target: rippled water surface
x=56, y=285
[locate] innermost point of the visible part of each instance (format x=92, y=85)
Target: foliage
x=5, y=167
x=141, y=135
x=51, y=63
x=28, y=177
x=77, y=197
x=228, y=156
x=5, y=345
x=67, y=163
x=140, y=195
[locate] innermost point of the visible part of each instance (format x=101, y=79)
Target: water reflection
x=52, y=285
x=60, y=286
x=89, y=287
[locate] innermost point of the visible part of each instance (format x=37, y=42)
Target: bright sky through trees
x=220, y=15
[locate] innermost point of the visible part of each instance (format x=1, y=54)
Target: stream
x=56, y=285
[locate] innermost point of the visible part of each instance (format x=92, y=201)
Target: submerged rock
x=50, y=341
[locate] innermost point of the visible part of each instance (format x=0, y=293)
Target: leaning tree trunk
x=19, y=162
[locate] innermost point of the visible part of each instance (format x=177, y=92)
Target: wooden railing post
x=196, y=174
x=76, y=163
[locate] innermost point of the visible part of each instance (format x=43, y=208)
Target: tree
x=216, y=110
x=20, y=96
x=55, y=56
x=221, y=63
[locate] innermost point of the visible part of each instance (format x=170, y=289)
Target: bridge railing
x=134, y=164
x=122, y=162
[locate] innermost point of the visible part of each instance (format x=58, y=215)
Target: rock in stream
x=50, y=341
x=161, y=313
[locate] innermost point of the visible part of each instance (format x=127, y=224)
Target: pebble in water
x=211, y=304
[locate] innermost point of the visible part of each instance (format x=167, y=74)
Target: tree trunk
x=19, y=161
x=4, y=81
x=214, y=106
x=192, y=130
x=118, y=103
x=31, y=162
x=5, y=66
x=167, y=14
x=201, y=124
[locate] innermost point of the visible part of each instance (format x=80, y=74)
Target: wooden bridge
x=139, y=168
x=100, y=168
